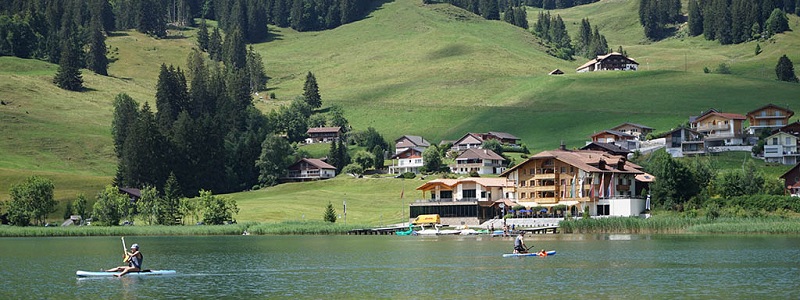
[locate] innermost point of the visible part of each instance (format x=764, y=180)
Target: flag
x=572, y=194
x=611, y=186
x=602, y=185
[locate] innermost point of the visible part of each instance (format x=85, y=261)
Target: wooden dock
x=377, y=231
x=540, y=230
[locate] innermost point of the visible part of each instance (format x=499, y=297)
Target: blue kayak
x=549, y=253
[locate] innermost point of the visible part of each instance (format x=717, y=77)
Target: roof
x=134, y=192
x=634, y=125
x=412, y=149
x=614, y=132
x=586, y=160
x=789, y=171
x=608, y=146
x=479, y=153
x=314, y=162
x=503, y=135
x=323, y=129
x=556, y=72
x=789, y=115
x=603, y=57
x=469, y=134
x=451, y=183
x=416, y=140
x=645, y=177
x=730, y=116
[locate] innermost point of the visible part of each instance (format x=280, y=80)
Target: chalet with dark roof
x=307, y=169
x=503, y=137
x=323, y=134
x=468, y=141
x=406, y=142
x=611, y=61
x=608, y=148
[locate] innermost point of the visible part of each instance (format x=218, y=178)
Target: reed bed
x=758, y=226
x=13, y=231
x=677, y=224
x=667, y=224
x=303, y=228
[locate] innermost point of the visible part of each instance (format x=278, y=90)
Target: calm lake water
x=409, y=267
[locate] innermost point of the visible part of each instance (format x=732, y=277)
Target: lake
x=409, y=267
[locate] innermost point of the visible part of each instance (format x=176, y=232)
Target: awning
x=567, y=203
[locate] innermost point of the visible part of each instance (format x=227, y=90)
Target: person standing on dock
x=519, y=244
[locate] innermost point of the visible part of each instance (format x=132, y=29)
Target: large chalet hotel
x=606, y=184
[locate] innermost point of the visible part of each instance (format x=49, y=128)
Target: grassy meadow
x=408, y=68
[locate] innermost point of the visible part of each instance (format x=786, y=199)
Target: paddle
x=125, y=257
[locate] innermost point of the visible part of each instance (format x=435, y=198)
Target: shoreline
x=653, y=225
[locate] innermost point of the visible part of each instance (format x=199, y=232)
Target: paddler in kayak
x=135, y=259
x=519, y=244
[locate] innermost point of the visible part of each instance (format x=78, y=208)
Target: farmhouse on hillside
x=409, y=160
x=482, y=161
x=323, y=134
x=611, y=61
x=307, y=169
x=768, y=117
x=406, y=142
x=720, y=129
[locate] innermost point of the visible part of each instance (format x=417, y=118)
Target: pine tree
x=255, y=68
x=785, y=70
x=234, y=52
x=68, y=76
x=215, y=45
x=172, y=96
x=490, y=10
x=311, y=91
x=330, y=213
x=202, y=35
x=97, y=60
x=126, y=112
x=695, y=19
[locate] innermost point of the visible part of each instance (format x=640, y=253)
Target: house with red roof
x=720, y=129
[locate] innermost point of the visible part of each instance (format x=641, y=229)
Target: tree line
x=738, y=21
x=490, y=9
x=552, y=30
x=727, y=21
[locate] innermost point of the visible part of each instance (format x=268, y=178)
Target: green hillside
x=408, y=68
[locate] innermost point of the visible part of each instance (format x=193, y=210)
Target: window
x=522, y=183
x=522, y=195
x=483, y=194
x=788, y=141
x=468, y=194
x=603, y=209
x=775, y=141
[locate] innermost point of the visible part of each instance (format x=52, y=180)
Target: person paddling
x=134, y=260
x=519, y=244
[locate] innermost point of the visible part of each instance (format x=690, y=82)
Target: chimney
x=562, y=147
